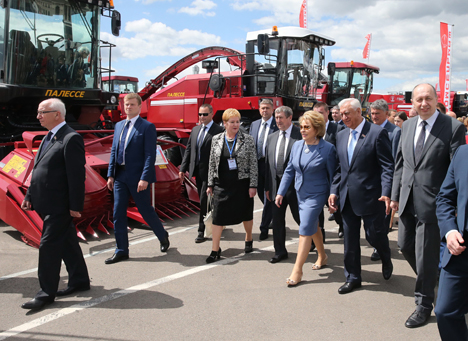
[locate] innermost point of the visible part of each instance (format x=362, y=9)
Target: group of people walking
x=360, y=170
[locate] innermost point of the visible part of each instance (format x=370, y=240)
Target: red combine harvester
x=120, y=84
x=52, y=49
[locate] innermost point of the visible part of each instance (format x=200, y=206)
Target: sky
x=405, y=34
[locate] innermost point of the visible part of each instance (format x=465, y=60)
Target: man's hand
x=394, y=205
x=110, y=183
x=332, y=203
x=454, y=240
x=75, y=214
x=387, y=204
x=181, y=177
x=267, y=194
x=26, y=205
x=142, y=185
x=209, y=191
x=279, y=200
x=252, y=192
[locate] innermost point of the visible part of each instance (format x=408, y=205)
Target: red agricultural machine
x=52, y=49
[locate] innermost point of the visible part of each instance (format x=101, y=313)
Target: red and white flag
x=366, y=52
x=303, y=15
x=467, y=85
x=446, y=63
x=436, y=86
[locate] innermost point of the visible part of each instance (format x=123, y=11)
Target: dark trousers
x=59, y=242
x=420, y=245
x=201, y=188
x=337, y=215
x=123, y=189
x=279, y=219
x=452, y=299
x=376, y=235
x=267, y=214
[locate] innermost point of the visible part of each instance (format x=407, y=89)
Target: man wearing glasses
x=57, y=193
x=197, y=157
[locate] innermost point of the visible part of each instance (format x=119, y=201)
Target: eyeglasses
x=305, y=127
x=45, y=112
x=203, y=114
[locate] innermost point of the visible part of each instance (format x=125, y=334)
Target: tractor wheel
x=172, y=154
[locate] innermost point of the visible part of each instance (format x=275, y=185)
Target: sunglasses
x=203, y=114
x=304, y=127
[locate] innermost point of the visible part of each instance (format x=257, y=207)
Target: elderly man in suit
x=331, y=129
x=259, y=130
x=131, y=170
x=452, y=297
x=279, y=146
x=361, y=189
x=57, y=193
x=380, y=116
x=428, y=142
x=197, y=157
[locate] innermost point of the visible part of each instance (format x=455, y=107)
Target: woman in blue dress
x=311, y=165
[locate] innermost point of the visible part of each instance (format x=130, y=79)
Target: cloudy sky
x=405, y=33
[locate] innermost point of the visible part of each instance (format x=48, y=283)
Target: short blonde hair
x=133, y=95
x=316, y=120
x=228, y=113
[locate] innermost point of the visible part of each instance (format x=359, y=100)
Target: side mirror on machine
x=116, y=23
x=263, y=43
x=331, y=69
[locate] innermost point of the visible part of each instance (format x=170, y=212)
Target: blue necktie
x=46, y=143
x=123, y=137
x=200, y=141
x=351, y=146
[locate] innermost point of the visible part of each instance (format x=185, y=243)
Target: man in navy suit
x=197, y=157
x=131, y=170
x=259, y=130
x=335, y=111
x=380, y=116
x=361, y=189
x=452, y=203
x=276, y=159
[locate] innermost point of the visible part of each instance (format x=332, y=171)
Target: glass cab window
x=350, y=83
x=120, y=86
x=52, y=43
x=265, y=69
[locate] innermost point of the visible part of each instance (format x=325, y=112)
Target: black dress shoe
x=375, y=256
x=35, y=304
x=263, y=235
x=387, y=270
x=248, y=246
x=71, y=290
x=165, y=244
x=418, y=319
x=340, y=232
x=214, y=256
x=331, y=217
x=200, y=238
x=278, y=258
x=348, y=287
x=116, y=257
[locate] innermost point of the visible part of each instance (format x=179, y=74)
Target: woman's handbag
x=208, y=218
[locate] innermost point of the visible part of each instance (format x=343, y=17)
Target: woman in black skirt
x=232, y=180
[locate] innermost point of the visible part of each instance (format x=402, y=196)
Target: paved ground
x=176, y=296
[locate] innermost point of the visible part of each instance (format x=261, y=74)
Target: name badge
x=232, y=164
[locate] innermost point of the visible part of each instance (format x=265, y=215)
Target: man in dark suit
x=379, y=115
x=197, y=157
x=131, y=170
x=57, y=193
x=452, y=204
x=361, y=189
x=428, y=142
x=335, y=111
x=331, y=129
x=259, y=130
x=279, y=146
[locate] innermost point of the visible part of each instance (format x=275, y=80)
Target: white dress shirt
x=358, y=129
x=430, y=123
x=130, y=127
x=266, y=133
x=278, y=143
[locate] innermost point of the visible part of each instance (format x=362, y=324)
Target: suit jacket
x=140, y=151
x=452, y=200
x=190, y=160
x=332, y=130
x=246, y=158
x=58, y=176
x=394, y=134
x=425, y=177
x=255, y=127
x=270, y=158
x=370, y=173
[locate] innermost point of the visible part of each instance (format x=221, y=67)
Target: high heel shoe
x=248, y=247
x=214, y=256
x=292, y=283
x=317, y=266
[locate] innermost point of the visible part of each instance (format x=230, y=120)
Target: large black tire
x=172, y=154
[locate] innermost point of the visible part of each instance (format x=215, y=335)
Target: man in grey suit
x=278, y=149
x=197, y=157
x=428, y=142
x=380, y=115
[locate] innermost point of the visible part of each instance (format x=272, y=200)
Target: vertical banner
x=467, y=85
x=446, y=63
x=303, y=15
x=437, y=86
x=366, y=52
